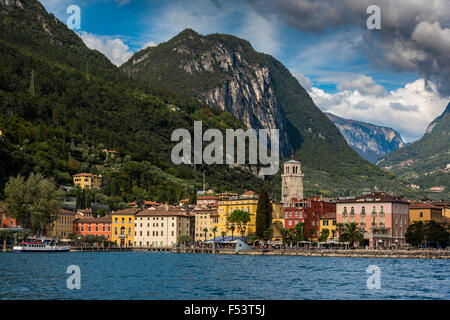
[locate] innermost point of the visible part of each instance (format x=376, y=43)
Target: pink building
x=383, y=217
x=204, y=201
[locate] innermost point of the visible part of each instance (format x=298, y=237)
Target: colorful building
x=162, y=226
x=445, y=206
x=422, y=211
x=146, y=204
x=62, y=228
x=122, y=226
x=248, y=201
x=87, y=180
x=307, y=211
x=7, y=222
x=93, y=226
x=384, y=218
x=205, y=218
x=328, y=221
x=204, y=201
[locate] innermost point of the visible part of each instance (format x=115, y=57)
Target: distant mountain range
x=371, y=142
x=426, y=162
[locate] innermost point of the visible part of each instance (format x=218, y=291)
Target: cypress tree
x=263, y=213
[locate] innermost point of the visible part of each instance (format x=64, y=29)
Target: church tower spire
x=291, y=182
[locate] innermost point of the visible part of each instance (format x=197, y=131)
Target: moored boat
x=39, y=246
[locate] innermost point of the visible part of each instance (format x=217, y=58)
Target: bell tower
x=291, y=182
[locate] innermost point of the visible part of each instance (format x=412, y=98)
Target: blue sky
x=348, y=70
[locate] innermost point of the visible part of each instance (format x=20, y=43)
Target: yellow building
x=328, y=221
x=424, y=212
x=87, y=180
x=62, y=228
x=445, y=206
x=205, y=218
x=246, y=202
x=122, y=226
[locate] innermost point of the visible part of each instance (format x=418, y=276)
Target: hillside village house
x=162, y=226
x=204, y=201
x=425, y=212
x=384, y=218
x=87, y=180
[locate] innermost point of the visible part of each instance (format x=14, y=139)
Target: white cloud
x=262, y=32
x=115, y=49
x=148, y=44
x=364, y=85
x=409, y=110
x=304, y=81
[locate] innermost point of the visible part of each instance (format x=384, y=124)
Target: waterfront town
x=379, y=220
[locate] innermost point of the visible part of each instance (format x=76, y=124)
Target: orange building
x=423, y=211
x=7, y=222
x=93, y=226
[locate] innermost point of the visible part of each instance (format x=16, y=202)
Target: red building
x=93, y=226
x=7, y=222
x=308, y=211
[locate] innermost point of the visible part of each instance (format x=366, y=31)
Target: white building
x=162, y=226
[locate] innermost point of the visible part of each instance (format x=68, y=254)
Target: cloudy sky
x=398, y=76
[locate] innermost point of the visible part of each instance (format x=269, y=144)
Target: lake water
x=165, y=275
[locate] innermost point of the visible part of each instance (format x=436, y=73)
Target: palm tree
x=241, y=219
x=214, y=230
x=205, y=230
x=350, y=232
x=232, y=227
x=223, y=235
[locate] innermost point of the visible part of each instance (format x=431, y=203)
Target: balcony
x=374, y=213
x=122, y=236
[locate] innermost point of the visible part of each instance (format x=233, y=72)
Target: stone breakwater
x=406, y=254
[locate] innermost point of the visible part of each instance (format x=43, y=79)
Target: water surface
x=165, y=275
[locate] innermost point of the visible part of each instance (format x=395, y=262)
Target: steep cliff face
x=370, y=141
x=225, y=72
x=238, y=85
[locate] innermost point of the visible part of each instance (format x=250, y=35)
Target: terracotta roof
x=329, y=215
x=423, y=205
x=146, y=203
x=185, y=200
x=443, y=204
x=375, y=197
x=65, y=212
x=85, y=175
x=105, y=219
x=249, y=193
x=128, y=211
x=207, y=198
x=170, y=211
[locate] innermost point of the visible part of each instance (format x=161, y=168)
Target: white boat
x=38, y=246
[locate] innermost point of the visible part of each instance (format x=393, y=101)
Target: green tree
x=240, y=218
x=5, y=236
x=33, y=202
x=300, y=232
x=185, y=239
x=263, y=213
x=223, y=233
x=324, y=235
x=415, y=234
x=350, y=232
x=214, y=230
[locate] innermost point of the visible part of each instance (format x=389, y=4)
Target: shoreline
x=357, y=253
